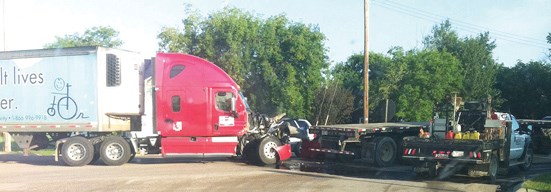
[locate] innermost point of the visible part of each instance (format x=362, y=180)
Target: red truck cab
x=198, y=106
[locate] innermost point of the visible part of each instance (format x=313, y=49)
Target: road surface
x=39, y=173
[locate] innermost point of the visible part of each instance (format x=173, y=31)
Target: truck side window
x=176, y=103
x=223, y=100
x=176, y=70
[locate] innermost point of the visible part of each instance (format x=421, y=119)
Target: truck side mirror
x=233, y=110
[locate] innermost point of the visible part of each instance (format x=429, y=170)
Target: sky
x=519, y=28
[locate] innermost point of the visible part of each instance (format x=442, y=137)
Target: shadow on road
x=509, y=180
x=152, y=159
x=31, y=159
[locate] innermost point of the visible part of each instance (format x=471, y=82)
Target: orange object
x=449, y=134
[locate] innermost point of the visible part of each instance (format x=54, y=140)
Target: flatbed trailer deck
x=377, y=143
x=541, y=134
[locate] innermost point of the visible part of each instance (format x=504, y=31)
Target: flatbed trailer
x=376, y=143
x=541, y=134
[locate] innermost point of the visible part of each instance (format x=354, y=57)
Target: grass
x=13, y=145
x=16, y=149
x=540, y=183
x=44, y=152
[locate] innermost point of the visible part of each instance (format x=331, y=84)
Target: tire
x=528, y=158
x=95, y=158
x=115, y=151
x=77, y=151
x=297, y=149
x=492, y=169
x=96, y=154
x=266, y=152
x=132, y=155
x=385, y=151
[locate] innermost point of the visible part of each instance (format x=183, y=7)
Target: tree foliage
x=95, y=36
x=478, y=68
x=416, y=80
x=432, y=75
x=277, y=62
x=526, y=88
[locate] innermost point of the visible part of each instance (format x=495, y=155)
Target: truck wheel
x=115, y=151
x=297, y=149
x=95, y=158
x=132, y=155
x=385, y=152
x=492, y=169
x=266, y=150
x=528, y=158
x=249, y=151
x=77, y=151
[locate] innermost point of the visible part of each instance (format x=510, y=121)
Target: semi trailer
x=109, y=104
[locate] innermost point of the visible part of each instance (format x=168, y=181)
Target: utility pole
x=366, y=63
x=7, y=137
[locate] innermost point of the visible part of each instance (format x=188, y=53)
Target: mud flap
x=284, y=152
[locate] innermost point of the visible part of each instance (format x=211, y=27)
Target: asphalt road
x=508, y=180
x=38, y=173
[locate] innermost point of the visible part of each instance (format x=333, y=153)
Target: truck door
x=224, y=121
x=517, y=140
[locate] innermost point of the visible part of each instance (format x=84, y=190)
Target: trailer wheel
x=385, y=152
x=266, y=150
x=77, y=151
x=492, y=169
x=115, y=151
x=528, y=158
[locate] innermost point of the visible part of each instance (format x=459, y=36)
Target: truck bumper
x=433, y=159
x=284, y=152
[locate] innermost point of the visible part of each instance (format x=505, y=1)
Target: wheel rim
x=76, y=152
x=387, y=152
x=114, y=151
x=269, y=150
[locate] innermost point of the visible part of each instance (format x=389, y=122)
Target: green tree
x=478, y=68
x=525, y=87
x=549, y=41
x=277, y=62
x=95, y=36
x=431, y=76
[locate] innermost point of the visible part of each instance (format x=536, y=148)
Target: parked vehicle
x=541, y=133
x=376, y=143
x=302, y=134
x=473, y=140
x=102, y=103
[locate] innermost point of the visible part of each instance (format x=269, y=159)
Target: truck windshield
x=244, y=99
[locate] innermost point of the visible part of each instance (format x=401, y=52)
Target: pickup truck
x=486, y=142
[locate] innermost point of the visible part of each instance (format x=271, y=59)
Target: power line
x=461, y=25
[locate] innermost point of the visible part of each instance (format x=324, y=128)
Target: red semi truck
x=101, y=103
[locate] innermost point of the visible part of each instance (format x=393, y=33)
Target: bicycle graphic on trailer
x=66, y=107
